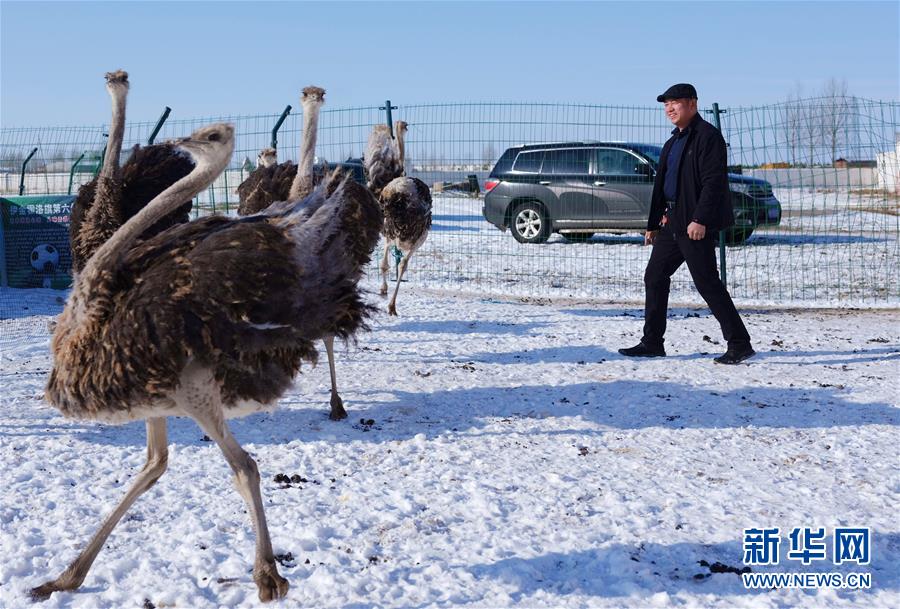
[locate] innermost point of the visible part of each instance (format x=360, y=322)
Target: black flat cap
x=680, y=91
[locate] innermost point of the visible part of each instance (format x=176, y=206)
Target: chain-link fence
x=830, y=164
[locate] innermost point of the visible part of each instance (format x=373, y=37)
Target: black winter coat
x=703, y=193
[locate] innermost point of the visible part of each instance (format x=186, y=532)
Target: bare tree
x=488, y=156
x=835, y=114
x=811, y=127
x=793, y=120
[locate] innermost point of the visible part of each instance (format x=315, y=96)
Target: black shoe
x=642, y=350
x=735, y=355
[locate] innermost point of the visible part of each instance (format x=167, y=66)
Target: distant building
x=845, y=164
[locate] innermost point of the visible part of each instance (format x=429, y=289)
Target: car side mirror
x=644, y=169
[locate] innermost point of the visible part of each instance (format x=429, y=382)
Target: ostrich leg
x=392, y=306
x=337, y=405
x=385, y=267
x=202, y=402
x=157, y=459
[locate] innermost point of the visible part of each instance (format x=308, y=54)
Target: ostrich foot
x=271, y=585
x=383, y=291
x=43, y=592
x=337, y=408
x=392, y=309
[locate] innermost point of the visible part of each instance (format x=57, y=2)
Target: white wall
x=818, y=177
x=889, y=169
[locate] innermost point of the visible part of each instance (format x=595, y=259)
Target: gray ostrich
x=269, y=184
x=116, y=194
x=405, y=201
x=382, y=158
x=209, y=320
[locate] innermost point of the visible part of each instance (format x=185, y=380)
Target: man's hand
x=650, y=237
x=696, y=231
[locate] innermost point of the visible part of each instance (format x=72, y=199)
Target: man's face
x=681, y=111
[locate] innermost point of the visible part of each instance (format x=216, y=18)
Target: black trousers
x=669, y=252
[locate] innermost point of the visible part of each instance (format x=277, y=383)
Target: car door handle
x=544, y=182
x=599, y=183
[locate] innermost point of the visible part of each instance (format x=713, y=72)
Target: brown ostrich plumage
x=406, y=203
x=264, y=186
x=147, y=172
x=192, y=292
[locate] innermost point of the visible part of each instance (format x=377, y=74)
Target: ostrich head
x=312, y=95
x=210, y=146
x=267, y=157
x=117, y=82
x=400, y=127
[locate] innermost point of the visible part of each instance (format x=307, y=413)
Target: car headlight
x=739, y=187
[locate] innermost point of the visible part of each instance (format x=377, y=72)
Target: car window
x=529, y=162
x=612, y=161
x=567, y=160
x=651, y=152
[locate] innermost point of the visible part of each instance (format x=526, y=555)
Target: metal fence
x=832, y=162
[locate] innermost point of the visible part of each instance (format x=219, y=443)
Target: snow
x=499, y=453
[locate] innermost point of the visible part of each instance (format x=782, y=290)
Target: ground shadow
x=458, y=218
x=450, y=228
x=650, y=568
x=765, y=239
x=456, y=326
x=398, y=415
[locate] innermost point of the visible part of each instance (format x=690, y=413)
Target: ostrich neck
x=116, y=135
x=105, y=215
x=302, y=184
x=401, y=150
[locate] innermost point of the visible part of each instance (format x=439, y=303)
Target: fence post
x=277, y=126
x=72, y=173
x=4, y=280
x=159, y=124
x=723, y=265
x=22, y=177
x=390, y=122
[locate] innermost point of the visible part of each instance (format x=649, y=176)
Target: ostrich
x=267, y=157
x=405, y=202
x=115, y=195
x=382, y=158
x=261, y=193
x=210, y=320
x=283, y=181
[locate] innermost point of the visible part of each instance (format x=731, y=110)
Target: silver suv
x=580, y=188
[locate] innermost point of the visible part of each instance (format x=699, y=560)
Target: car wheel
x=578, y=237
x=737, y=236
x=530, y=223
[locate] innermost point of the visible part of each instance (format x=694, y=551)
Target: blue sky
x=223, y=58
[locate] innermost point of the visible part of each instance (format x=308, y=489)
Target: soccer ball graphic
x=44, y=258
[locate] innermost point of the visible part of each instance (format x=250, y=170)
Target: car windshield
x=651, y=152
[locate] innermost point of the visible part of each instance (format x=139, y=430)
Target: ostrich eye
x=214, y=137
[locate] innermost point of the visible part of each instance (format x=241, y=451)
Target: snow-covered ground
x=499, y=453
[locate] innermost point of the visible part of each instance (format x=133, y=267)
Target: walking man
x=691, y=203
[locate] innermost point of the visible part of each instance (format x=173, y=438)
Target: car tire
x=578, y=237
x=529, y=223
x=737, y=236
